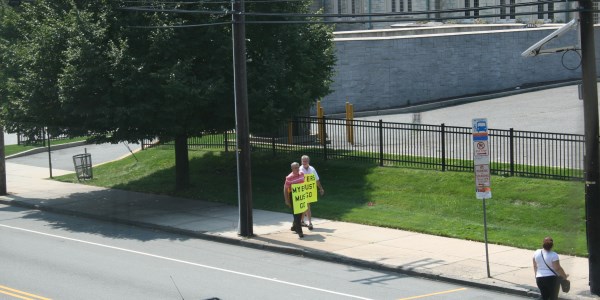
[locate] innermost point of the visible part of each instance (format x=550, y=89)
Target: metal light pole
x=3, y=190
x=590, y=116
x=241, y=120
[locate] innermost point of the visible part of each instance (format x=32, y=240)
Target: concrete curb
x=45, y=149
x=255, y=244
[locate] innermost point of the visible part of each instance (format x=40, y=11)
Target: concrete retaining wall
x=399, y=71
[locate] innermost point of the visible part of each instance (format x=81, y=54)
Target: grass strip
x=14, y=149
x=521, y=212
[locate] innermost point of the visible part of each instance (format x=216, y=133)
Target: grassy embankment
x=521, y=213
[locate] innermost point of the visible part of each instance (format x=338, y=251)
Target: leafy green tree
x=29, y=63
x=84, y=65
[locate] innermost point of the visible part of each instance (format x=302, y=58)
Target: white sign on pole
x=481, y=159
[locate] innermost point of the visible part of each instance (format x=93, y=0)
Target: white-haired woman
x=306, y=168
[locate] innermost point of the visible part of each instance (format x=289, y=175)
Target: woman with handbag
x=548, y=272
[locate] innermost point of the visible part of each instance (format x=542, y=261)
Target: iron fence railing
x=39, y=138
x=209, y=140
x=439, y=147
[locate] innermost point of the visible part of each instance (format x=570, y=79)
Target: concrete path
x=389, y=249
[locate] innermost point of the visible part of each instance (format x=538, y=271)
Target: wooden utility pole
x=244, y=174
x=590, y=116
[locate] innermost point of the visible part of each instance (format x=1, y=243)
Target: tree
x=81, y=65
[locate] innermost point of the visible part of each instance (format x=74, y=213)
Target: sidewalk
x=418, y=254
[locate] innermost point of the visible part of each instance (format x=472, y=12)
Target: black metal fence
x=39, y=138
x=439, y=147
x=210, y=140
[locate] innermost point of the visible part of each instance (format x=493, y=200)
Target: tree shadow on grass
x=213, y=177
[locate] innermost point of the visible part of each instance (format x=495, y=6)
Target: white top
x=542, y=269
x=310, y=170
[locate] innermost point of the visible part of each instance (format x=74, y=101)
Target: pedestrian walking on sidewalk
x=547, y=270
x=306, y=168
x=295, y=177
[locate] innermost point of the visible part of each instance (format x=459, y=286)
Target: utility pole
x=3, y=189
x=244, y=174
x=590, y=116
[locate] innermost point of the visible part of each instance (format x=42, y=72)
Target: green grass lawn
x=521, y=213
x=14, y=149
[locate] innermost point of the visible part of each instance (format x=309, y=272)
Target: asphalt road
x=553, y=110
x=61, y=257
x=63, y=159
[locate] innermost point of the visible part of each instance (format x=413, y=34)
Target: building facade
x=396, y=68
x=391, y=13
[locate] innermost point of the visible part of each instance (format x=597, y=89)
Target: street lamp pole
x=241, y=120
x=590, y=116
x=3, y=190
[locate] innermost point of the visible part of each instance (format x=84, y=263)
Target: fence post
x=290, y=132
x=381, y=142
x=273, y=143
x=320, y=120
x=443, y=147
x=512, y=153
x=324, y=140
x=143, y=145
x=225, y=141
x=349, y=123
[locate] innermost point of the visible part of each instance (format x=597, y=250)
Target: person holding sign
x=291, y=189
x=308, y=169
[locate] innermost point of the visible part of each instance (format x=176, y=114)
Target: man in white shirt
x=308, y=169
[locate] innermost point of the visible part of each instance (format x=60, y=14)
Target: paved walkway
x=388, y=249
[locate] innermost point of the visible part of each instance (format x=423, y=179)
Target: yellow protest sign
x=304, y=193
x=311, y=187
x=299, y=198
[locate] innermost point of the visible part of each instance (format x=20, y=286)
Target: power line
x=141, y=2
x=179, y=11
x=272, y=1
x=181, y=26
x=320, y=15
x=396, y=20
x=283, y=22
x=354, y=16
x=445, y=11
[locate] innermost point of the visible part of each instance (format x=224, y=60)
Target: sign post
x=481, y=165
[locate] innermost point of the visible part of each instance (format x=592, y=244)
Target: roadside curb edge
x=310, y=253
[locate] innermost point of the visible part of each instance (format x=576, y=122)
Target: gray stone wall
x=382, y=73
x=385, y=6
